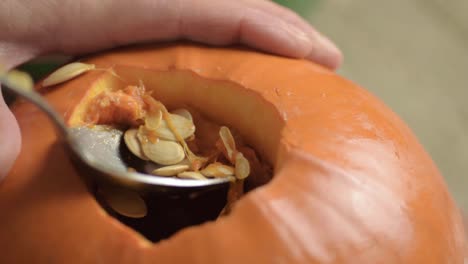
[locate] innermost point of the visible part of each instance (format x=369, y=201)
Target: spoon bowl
x=97, y=153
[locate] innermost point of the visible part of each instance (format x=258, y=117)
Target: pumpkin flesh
x=352, y=184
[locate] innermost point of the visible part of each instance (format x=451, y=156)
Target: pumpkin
x=351, y=182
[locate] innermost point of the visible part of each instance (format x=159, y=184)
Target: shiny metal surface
x=98, y=155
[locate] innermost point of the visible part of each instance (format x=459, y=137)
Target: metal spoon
x=96, y=152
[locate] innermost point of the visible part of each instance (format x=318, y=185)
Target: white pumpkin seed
x=228, y=142
x=191, y=175
x=124, y=202
x=217, y=170
x=170, y=170
x=183, y=126
x=133, y=144
x=141, y=135
x=184, y=162
x=183, y=112
x=67, y=72
x=242, y=166
x=231, y=178
x=196, y=162
x=153, y=120
x=163, y=152
x=18, y=79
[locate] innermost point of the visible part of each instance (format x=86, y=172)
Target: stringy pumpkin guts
x=171, y=142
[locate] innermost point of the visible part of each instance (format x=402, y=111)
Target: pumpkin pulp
x=126, y=105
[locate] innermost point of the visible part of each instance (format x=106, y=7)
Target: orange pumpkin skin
x=352, y=184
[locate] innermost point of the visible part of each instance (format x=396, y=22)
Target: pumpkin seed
x=124, y=202
x=196, y=162
x=133, y=143
x=217, y=170
x=228, y=143
x=184, y=162
x=17, y=79
x=67, y=72
x=242, y=168
x=183, y=112
x=163, y=152
x=183, y=126
x=153, y=120
x=191, y=175
x=170, y=170
x=231, y=178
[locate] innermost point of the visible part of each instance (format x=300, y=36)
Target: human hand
x=30, y=28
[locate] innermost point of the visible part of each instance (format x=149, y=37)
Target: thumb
x=10, y=141
x=11, y=55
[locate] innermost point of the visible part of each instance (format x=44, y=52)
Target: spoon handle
x=36, y=99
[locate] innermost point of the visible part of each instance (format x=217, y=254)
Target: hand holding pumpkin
x=31, y=28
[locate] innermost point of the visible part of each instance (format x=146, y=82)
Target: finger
x=9, y=139
x=266, y=27
x=86, y=26
x=322, y=50
x=11, y=55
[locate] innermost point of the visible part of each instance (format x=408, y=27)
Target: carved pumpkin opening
x=256, y=125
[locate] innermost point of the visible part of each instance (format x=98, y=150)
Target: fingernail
x=314, y=46
x=301, y=39
x=325, y=52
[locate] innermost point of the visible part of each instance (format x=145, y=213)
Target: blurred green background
x=413, y=55
x=303, y=7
